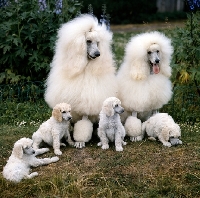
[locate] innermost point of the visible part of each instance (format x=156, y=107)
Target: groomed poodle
x=163, y=127
x=143, y=79
x=23, y=157
x=82, y=73
x=55, y=128
x=110, y=126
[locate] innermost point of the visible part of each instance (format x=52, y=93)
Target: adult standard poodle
x=23, y=157
x=54, y=129
x=110, y=126
x=82, y=73
x=143, y=79
x=163, y=127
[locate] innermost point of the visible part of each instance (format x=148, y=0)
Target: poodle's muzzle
x=66, y=116
x=154, y=62
x=28, y=150
x=118, y=109
x=92, y=49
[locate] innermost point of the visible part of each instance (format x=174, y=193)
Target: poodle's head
x=111, y=106
x=92, y=42
x=175, y=134
x=154, y=57
x=62, y=112
x=149, y=53
x=23, y=146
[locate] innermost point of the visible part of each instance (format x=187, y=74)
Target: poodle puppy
x=110, y=126
x=22, y=158
x=163, y=127
x=143, y=79
x=55, y=128
x=82, y=73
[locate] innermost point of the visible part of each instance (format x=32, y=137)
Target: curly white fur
x=163, y=127
x=22, y=158
x=140, y=90
x=55, y=128
x=110, y=126
x=74, y=78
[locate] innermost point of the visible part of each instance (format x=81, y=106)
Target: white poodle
x=82, y=73
x=110, y=126
x=143, y=79
x=163, y=127
x=23, y=157
x=55, y=128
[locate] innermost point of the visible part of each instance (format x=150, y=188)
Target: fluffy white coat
x=74, y=78
x=23, y=157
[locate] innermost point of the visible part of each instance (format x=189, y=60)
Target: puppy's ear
x=56, y=113
x=108, y=109
x=18, y=150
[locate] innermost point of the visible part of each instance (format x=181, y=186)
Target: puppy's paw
x=62, y=144
x=135, y=139
x=79, y=144
x=58, y=152
x=32, y=175
x=105, y=146
x=167, y=144
x=124, y=143
x=99, y=144
x=119, y=148
x=54, y=159
x=71, y=143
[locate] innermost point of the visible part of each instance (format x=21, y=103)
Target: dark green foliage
x=27, y=38
x=126, y=11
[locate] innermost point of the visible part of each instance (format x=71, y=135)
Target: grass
x=144, y=169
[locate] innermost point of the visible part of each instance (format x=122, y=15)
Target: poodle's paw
x=167, y=144
x=180, y=142
x=99, y=144
x=62, y=144
x=152, y=138
x=71, y=143
x=135, y=139
x=124, y=143
x=58, y=152
x=79, y=144
x=54, y=159
x=34, y=174
x=105, y=146
x=119, y=148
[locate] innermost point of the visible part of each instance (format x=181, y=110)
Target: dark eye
x=64, y=112
x=157, y=51
x=172, y=137
x=89, y=41
x=149, y=52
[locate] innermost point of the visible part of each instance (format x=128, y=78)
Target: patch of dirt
x=146, y=26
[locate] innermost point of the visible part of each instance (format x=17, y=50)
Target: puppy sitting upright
x=55, y=128
x=110, y=126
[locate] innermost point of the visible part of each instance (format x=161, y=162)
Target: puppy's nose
x=157, y=60
x=33, y=152
x=70, y=117
x=97, y=54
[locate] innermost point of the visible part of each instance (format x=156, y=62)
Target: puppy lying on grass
x=110, y=126
x=54, y=129
x=163, y=127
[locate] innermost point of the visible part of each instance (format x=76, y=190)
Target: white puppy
x=55, y=128
x=110, y=126
x=22, y=158
x=163, y=127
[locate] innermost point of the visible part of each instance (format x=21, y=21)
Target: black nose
x=97, y=54
x=69, y=118
x=157, y=60
x=33, y=152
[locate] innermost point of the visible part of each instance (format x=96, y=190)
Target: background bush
x=27, y=37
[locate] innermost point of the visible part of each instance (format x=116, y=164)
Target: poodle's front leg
x=118, y=141
x=103, y=139
x=41, y=151
x=39, y=162
x=82, y=132
x=56, y=143
x=164, y=141
x=30, y=176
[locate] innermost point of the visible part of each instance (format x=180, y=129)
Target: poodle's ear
x=139, y=71
x=56, y=113
x=165, y=134
x=18, y=150
x=108, y=109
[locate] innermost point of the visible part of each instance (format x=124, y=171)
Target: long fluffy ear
x=139, y=70
x=18, y=150
x=108, y=109
x=56, y=113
